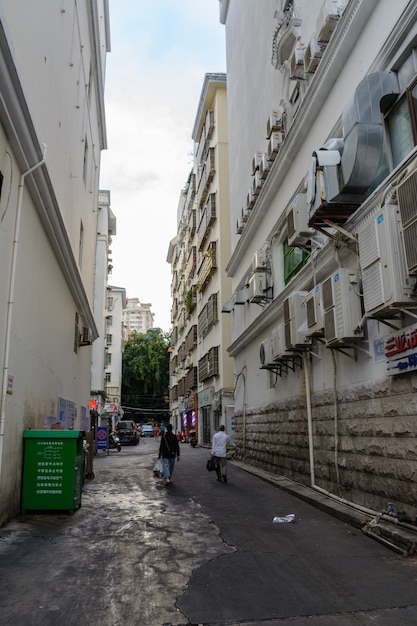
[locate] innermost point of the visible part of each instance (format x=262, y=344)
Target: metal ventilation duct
x=363, y=131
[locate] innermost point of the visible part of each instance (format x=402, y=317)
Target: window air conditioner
x=386, y=285
x=342, y=307
x=297, y=64
x=295, y=320
x=264, y=167
x=275, y=122
x=260, y=260
x=297, y=221
x=315, y=312
x=279, y=351
x=239, y=227
x=327, y=21
x=257, y=287
x=407, y=200
x=256, y=161
x=257, y=183
x=265, y=353
x=313, y=54
x=274, y=145
x=250, y=199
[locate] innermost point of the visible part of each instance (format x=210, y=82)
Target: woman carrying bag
x=168, y=450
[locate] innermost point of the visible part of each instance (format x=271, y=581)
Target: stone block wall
x=365, y=442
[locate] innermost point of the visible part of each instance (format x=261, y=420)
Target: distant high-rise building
x=137, y=316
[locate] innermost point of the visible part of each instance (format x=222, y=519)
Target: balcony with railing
x=191, y=339
x=208, y=217
x=207, y=266
x=191, y=264
x=207, y=175
x=190, y=193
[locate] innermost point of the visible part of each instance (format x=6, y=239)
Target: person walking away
x=219, y=452
x=168, y=450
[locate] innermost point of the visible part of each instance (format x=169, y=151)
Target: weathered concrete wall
x=365, y=444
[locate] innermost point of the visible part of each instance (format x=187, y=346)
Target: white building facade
x=106, y=230
x=323, y=161
x=138, y=316
x=51, y=136
x=115, y=337
x=201, y=375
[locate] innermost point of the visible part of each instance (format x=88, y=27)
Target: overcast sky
x=160, y=53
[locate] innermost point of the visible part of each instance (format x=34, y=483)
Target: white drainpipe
x=8, y=329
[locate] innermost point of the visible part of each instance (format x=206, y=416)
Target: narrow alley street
x=197, y=552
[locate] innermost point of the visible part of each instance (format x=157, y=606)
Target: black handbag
x=211, y=464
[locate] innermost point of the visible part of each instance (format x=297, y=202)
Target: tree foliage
x=145, y=369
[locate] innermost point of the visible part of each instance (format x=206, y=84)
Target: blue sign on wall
x=102, y=438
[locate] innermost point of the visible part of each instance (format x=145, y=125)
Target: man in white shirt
x=218, y=452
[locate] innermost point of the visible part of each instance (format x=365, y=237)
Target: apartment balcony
x=207, y=220
x=190, y=193
x=191, y=339
x=207, y=175
x=191, y=264
x=207, y=267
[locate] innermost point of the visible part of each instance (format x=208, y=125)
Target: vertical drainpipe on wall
x=10, y=296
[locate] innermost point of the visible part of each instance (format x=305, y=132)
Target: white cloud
x=160, y=53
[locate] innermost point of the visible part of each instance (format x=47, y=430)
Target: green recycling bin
x=53, y=468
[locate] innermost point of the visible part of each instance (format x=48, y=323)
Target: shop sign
x=206, y=396
x=401, y=351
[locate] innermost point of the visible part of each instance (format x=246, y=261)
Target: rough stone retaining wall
x=374, y=426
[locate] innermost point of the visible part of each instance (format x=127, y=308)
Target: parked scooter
x=193, y=438
x=114, y=441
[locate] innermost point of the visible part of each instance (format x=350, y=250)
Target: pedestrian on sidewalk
x=168, y=450
x=219, y=452
x=156, y=431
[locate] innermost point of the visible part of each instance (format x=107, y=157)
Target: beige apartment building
x=201, y=377
x=137, y=316
x=323, y=160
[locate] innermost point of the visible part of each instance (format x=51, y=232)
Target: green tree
x=145, y=373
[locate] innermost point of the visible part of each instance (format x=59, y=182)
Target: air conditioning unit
x=315, y=312
x=265, y=353
x=260, y=260
x=342, y=307
x=386, y=285
x=256, y=161
x=264, y=167
x=407, y=201
x=313, y=54
x=297, y=64
x=274, y=145
x=239, y=227
x=327, y=21
x=187, y=363
x=297, y=221
x=275, y=122
x=250, y=199
x=257, y=287
x=86, y=337
x=245, y=215
x=257, y=183
x=295, y=320
x=279, y=351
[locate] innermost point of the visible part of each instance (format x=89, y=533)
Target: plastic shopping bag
x=158, y=468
